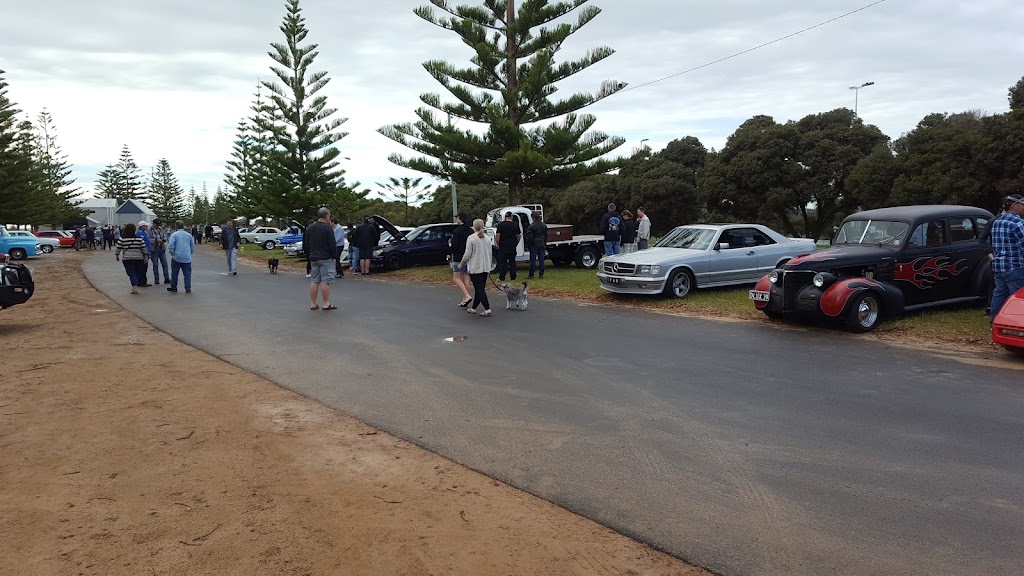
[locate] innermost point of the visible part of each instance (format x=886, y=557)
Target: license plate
x=18, y=290
x=760, y=296
x=613, y=280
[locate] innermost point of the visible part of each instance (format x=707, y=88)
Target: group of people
x=91, y=238
x=138, y=245
x=623, y=233
x=1005, y=235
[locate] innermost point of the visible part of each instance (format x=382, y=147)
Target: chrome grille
x=619, y=268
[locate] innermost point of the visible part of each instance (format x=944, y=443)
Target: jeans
x=159, y=258
x=142, y=270
x=131, y=268
x=479, y=291
x=353, y=257
x=537, y=256
x=611, y=248
x=186, y=269
x=642, y=244
x=232, y=256
x=506, y=263
x=1007, y=283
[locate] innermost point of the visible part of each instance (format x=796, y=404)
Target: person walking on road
x=322, y=249
x=630, y=228
x=459, y=277
x=643, y=231
x=366, y=239
x=143, y=232
x=158, y=239
x=477, y=262
x=339, y=240
x=537, y=242
x=229, y=240
x=181, y=245
x=135, y=255
x=1008, y=253
x=507, y=236
x=611, y=228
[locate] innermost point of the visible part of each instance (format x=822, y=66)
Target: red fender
x=838, y=295
x=763, y=285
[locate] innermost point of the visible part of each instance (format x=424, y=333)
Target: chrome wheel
x=865, y=313
x=46, y=248
x=679, y=284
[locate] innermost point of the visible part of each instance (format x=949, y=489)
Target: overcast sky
x=172, y=78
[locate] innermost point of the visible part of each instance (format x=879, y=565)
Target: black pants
x=506, y=263
x=338, y=270
x=143, y=271
x=480, y=291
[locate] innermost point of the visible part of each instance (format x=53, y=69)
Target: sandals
x=465, y=303
x=314, y=307
x=471, y=310
x=330, y=307
x=485, y=314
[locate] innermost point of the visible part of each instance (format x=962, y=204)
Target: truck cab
x=18, y=247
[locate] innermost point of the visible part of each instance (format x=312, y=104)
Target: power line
x=758, y=47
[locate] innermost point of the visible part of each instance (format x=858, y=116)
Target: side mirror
x=722, y=246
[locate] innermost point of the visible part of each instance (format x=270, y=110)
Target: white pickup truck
x=265, y=236
x=563, y=248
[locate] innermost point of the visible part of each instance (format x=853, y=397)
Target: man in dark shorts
x=322, y=252
x=366, y=239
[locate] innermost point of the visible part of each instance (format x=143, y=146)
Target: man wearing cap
x=143, y=272
x=1008, y=253
x=507, y=236
x=158, y=237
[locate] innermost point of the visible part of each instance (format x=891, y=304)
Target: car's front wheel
x=393, y=261
x=245, y=240
x=865, y=313
x=269, y=245
x=587, y=258
x=46, y=248
x=18, y=254
x=680, y=283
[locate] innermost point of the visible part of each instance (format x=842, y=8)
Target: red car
x=66, y=240
x=1008, y=327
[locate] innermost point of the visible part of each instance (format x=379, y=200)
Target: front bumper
x=631, y=284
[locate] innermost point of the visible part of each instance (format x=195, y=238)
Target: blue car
x=18, y=247
x=294, y=235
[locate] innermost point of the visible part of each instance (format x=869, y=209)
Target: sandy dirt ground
x=124, y=451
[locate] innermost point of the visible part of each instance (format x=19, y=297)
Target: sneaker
x=234, y=273
x=169, y=289
x=134, y=291
x=167, y=281
x=309, y=275
x=188, y=291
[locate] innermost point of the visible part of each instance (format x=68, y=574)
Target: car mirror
x=722, y=246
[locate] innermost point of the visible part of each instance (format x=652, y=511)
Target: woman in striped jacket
x=136, y=257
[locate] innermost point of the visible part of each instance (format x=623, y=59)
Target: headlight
x=819, y=280
x=649, y=270
x=823, y=280
x=377, y=253
x=773, y=276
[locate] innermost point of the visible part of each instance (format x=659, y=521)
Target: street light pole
x=856, y=95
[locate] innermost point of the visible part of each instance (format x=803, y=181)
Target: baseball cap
x=508, y=214
x=1011, y=200
x=143, y=223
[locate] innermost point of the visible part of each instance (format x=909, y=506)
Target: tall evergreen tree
x=129, y=176
x=108, y=184
x=515, y=72
x=55, y=184
x=164, y=193
x=408, y=191
x=307, y=164
x=1016, y=95
x=18, y=174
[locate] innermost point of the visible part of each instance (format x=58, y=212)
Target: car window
x=430, y=235
x=688, y=238
x=928, y=234
x=743, y=238
x=962, y=230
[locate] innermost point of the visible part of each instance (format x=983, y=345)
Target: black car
x=428, y=244
x=884, y=262
x=16, y=283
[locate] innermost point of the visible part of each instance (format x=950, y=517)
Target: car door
x=426, y=243
x=923, y=267
x=966, y=253
x=734, y=257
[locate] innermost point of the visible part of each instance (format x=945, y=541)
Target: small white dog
x=515, y=297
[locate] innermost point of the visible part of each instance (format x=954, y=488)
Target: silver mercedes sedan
x=701, y=256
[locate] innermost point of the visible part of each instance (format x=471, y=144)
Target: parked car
x=18, y=247
x=16, y=283
x=563, y=246
x=46, y=245
x=428, y=244
x=292, y=235
x=265, y=236
x=882, y=263
x=700, y=256
x=1008, y=325
x=63, y=237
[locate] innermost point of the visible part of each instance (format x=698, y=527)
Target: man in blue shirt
x=142, y=233
x=1008, y=253
x=181, y=245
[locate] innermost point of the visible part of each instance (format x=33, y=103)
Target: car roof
x=914, y=213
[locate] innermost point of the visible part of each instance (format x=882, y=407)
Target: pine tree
x=306, y=166
x=55, y=185
x=515, y=71
x=128, y=177
x=107, y=184
x=164, y=193
x=408, y=191
x=190, y=206
x=19, y=177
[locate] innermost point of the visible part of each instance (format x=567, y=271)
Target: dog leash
x=491, y=278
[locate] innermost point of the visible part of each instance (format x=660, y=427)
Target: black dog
x=272, y=264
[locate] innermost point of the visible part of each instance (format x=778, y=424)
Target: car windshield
x=689, y=238
x=879, y=232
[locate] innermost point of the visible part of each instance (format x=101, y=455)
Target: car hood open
x=385, y=224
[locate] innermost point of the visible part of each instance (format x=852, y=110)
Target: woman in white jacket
x=477, y=261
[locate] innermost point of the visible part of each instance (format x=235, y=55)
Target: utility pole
x=451, y=182
x=856, y=97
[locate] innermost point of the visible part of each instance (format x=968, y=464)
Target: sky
x=172, y=78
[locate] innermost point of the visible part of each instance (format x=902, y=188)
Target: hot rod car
x=16, y=284
x=884, y=262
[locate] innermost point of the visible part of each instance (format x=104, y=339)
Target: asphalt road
x=743, y=448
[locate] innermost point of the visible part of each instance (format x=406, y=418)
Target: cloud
x=172, y=78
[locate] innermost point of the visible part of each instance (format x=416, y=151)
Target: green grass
x=956, y=326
